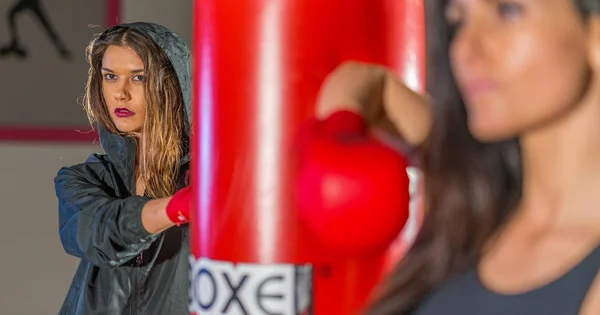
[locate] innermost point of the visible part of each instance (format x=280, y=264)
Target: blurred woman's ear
x=594, y=42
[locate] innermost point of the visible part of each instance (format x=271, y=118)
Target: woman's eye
x=508, y=9
x=454, y=18
x=139, y=77
x=109, y=76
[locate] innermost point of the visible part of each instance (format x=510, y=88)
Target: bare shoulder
x=591, y=304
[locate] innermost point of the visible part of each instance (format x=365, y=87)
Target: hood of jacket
x=122, y=150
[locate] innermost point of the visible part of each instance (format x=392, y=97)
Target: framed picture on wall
x=43, y=66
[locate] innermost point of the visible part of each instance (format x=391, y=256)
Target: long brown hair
x=164, y=127
x=471, y=188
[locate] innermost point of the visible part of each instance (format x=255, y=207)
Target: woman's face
x=123, y=88
x=519, y=64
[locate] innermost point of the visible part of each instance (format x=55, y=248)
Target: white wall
x=35, y=271
x=174, y=14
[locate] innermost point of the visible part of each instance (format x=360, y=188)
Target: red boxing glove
x=353, y=191
x=178, y=208
x=341, y=125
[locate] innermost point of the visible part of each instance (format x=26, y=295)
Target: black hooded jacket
x=123, y=268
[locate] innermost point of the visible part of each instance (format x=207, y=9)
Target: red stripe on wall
x=34, y=134
x=113, y=12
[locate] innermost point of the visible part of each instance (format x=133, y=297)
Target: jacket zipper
x=136, y=293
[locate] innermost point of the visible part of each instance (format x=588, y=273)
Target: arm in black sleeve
x=98, y=227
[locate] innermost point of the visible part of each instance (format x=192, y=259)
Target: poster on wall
x=43, y=66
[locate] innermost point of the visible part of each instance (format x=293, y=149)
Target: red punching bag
x=258, y=66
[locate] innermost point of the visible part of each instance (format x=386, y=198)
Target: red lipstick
x=475, y=88
x=123, y=112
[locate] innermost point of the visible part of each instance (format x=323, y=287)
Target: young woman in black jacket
x=113, y=207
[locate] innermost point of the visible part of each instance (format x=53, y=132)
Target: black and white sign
x=224, y=288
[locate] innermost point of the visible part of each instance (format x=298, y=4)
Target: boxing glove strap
x=178, y=207
x=344, y=122
x=339, y=124
x=176, y=216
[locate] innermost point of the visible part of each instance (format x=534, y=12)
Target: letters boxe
x=225, y=288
